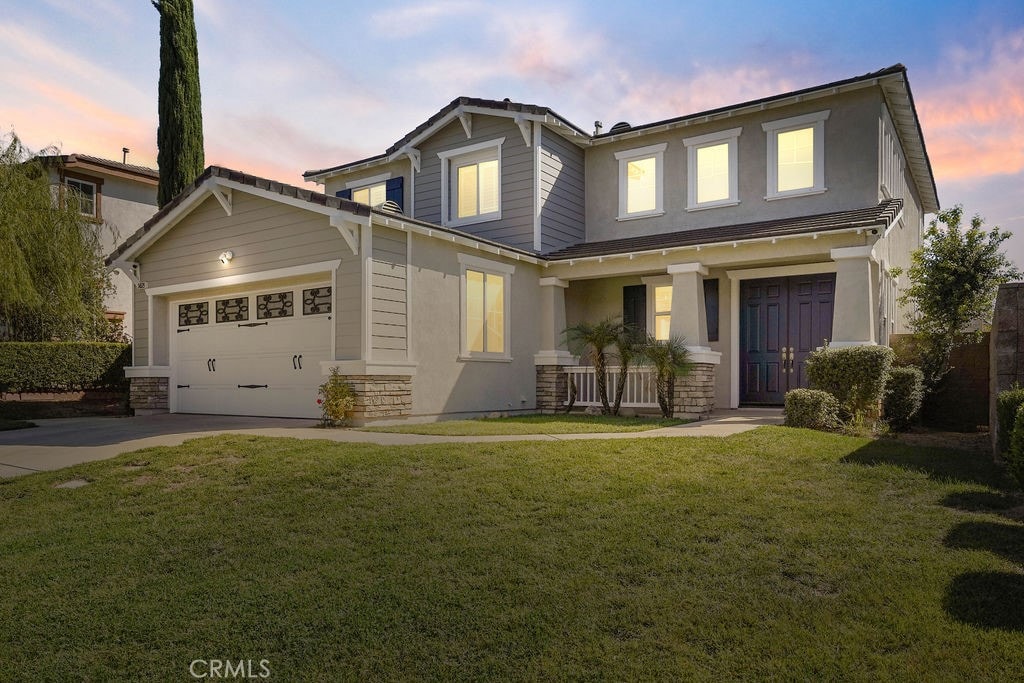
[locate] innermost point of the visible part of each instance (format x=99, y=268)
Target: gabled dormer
x=501, y=170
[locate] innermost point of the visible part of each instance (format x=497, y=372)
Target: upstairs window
x=471, y=178
x=712, y=170
x=375, y=191
x=374, y=195
x=641, y=181
x=796, y=155
x=84, y=193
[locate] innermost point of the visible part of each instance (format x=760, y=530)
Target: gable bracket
x=414, y=157
x=466, y=119
x=524, y=128
x=223, y=195
x=349, y=230
x=129, y=268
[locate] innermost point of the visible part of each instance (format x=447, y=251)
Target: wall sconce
x=226, y=256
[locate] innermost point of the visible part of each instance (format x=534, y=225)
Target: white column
x=551, y=342
x=855, y=308
x=688, y=318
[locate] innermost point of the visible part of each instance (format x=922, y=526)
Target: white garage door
x=251, y=354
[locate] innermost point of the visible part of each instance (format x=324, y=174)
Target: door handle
x=209, y=365
x=294, y=366
x=213, y=362
x=300, y=361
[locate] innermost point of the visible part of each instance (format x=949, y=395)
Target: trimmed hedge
x=855, y=375
x=812, y=409
x=1015, y=454
x=904, y=393
x=1007, y=404
x=27, y=367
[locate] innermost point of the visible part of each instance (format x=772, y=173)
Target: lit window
x=471, y=177
x=796, y=155
x=85, y=193
x=485, y=308
x=662, y=311
x=640, y=181
x=712, y=170
x=374, y=195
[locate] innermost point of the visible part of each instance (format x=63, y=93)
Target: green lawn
x=773, y=554
x=575, y=423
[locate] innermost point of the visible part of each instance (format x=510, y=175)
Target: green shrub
x=1015, y=454
x=27, y=367
x=904, y=393
x=1007, y=404
x=812, y=409
x=336, y=400
x=855, y=375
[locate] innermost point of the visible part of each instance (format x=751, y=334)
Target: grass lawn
x=6, y=425
x=777, y=553
x=575, y=423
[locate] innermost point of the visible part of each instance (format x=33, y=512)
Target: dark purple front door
x=781, y=321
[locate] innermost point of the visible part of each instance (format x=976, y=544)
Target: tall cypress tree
x=179, y=137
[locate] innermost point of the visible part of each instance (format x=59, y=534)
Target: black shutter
x=394, y=193
x=711, y=308
x=344, y=194
x=634, y=307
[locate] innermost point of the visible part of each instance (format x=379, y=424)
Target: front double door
x=782, y=320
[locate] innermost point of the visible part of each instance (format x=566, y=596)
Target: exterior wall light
x=226, y=256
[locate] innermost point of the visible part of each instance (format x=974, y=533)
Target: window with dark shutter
x=344, y=194
x=394, y=192
x=634, y=307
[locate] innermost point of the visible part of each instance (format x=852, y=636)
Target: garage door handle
x=183, y=386
x=294, y=361
x=300, y=361
x=252, y=386
x=209, y=368
x=252, y=324
x=184, y=330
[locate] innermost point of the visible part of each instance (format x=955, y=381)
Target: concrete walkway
x=59, y=443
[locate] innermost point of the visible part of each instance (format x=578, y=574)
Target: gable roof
x=882, y=215
x=150, y=176
x=892, y=80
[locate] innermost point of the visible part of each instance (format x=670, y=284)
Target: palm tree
x=670, y=359
x=590, y=341
x=627, y=345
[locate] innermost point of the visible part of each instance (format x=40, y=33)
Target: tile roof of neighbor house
x=285, y=190
x=883, y=214
x=72, y=159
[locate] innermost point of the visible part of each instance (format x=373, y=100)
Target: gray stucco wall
x=444, y=383
x=851, y=170
x=515, y=227
x=562, y=192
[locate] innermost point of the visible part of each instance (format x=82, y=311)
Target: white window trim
x=624, y=157
x=695, y=143
x=367, y=182
x=95, y=191
x=503, y=270
x=814, y=120
x=452, y=155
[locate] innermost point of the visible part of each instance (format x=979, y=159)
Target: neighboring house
x=118, y=198
x=439, y=275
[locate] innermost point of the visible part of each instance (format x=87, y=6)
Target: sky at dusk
x=293, y=86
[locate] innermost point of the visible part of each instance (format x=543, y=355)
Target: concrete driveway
x=59, y=443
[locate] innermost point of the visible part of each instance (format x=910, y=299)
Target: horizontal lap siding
x=515, y=227
x=140, y=337
x=389, y=266
x=561, y=192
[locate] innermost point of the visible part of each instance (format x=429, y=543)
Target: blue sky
x=293, y=86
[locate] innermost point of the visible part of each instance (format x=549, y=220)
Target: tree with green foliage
x=627, y=347
x=954, y=278
x=591, y=341
x=52, y=277
x=670, y=359
x=180, y=134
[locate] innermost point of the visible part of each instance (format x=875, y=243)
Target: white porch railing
x=639, y=392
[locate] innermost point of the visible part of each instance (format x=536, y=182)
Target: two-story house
x=439, y=275
x=117, y=198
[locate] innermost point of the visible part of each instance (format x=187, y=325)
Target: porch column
x=553, y=354
x=694, y=395
x=853, y=321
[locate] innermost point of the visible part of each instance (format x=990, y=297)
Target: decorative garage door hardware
x=297, y=362
x=233, y=310
x=252, y=324
x=278, y=305
x=184, y=330
x=252, y=386
x=184, y=386
x=211, y=364
x=194, y=314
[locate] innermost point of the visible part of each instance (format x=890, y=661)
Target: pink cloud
x=974, y=119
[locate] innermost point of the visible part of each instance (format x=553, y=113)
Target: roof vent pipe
x=124, y=155
x=597, y=127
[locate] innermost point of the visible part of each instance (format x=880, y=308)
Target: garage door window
x=233, y=310
x=194, y=314
x=278, y=305
x=316, y=301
